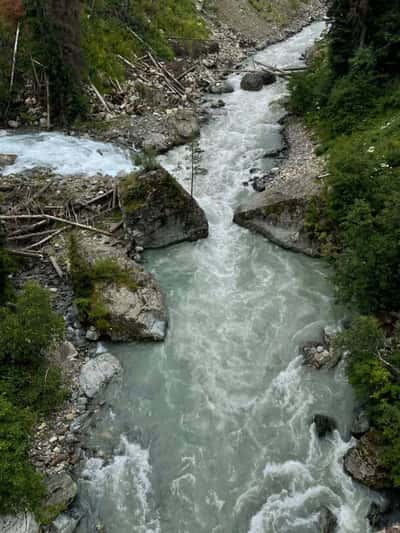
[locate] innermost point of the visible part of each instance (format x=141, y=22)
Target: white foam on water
x=126, y=483
x=65, y=155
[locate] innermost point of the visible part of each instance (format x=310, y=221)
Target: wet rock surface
x=360, y=425
x=327, y=522
x=158, y=211
x=364, y=465
x=319, y=355
x=22, y=523
x=324, y=425
x=97, y=372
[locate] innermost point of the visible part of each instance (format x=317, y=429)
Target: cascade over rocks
x=279, y=219
x=157, y=211
x=363, y=464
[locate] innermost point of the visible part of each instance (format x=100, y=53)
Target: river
x=211, y=430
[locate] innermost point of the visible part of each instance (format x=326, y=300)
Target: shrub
x=29, y=327
x=21, y=487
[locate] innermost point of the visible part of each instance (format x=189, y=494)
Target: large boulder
x=65, y=523
x=97, y=372
x=126, y=304
x=363, y=463
x=252, y=81
x=324, y=425
x=327, y=522
x=22, y=523
x=280, y=219
x=61, y=491
x=157, y=211
x=183, y=126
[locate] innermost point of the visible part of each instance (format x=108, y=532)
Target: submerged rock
x=157, y=210
x=280, y=219
x=324, y=425
x=327, y=521
x=22, y=523
x=97, y=372
x=363, y=463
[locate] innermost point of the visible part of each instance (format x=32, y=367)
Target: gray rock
x=360, y=425
x=97, y=372
x=61, y=490
x=183, y=126
x=252, y=81
x=327, y=521
x=324, y=425
x=7, y=159
x=13, y=124
x=66, y=350
x=363, y=464
x=22, y=523
x=92, y=334
x=330, y=333
x=65, y=523
x=395, y=528
x=221, y=87
x=157, y=211
x=268, y=78
x=279, y=219
x=318, y=356
x=156, y=142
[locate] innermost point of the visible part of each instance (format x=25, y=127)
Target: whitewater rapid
x=210, y=431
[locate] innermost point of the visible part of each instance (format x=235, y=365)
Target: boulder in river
x=183, y=126
x=324, y=425
x=157, y=211
x=21, y=523
x=61, y=492
x=318, y=355
x=222, y=87
x=327, y=522
x=363, y=463
x=97, y=372
x=7, y=159
x=280, y=219
x=385, y=513
x=252, y=81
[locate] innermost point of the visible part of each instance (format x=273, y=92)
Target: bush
x=375, y=385
x=29, y=328
x=21, y=487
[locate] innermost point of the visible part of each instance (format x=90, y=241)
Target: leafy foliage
x=375, y=384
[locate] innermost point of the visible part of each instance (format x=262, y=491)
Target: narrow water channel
x=211, y=430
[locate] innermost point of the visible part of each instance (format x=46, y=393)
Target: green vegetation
x=350, y=97
x=30, y=387
x=88, y=281
x=277, y=13
x=377, y=383
x=58, y=51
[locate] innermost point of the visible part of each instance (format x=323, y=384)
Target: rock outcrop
x=22, y=523
x=129, y=301
x=324, y=425
x=97, y=372
x=157, y=211
x=64, y=523
x=391, y=529
x=363, y=464
x=280, y=219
